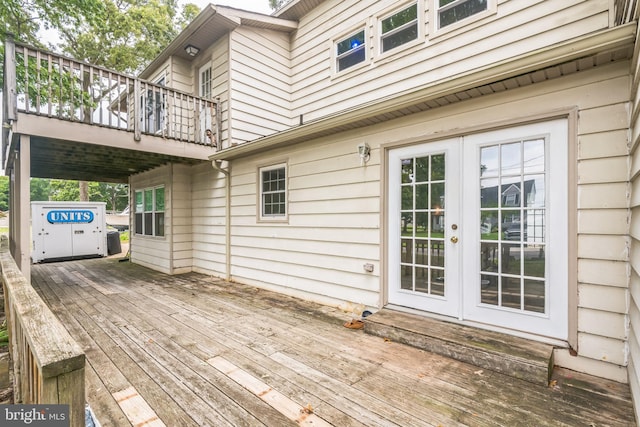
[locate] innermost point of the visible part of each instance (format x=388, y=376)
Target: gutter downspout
x=217, y=166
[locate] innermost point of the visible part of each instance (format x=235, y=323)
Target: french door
x=475, y=232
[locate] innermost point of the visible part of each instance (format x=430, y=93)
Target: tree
x=40, y=189
x=277, y=4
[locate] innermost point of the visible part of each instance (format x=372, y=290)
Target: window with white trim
x=205, y=81
x=149, y=211
x=273, y=192
x=399, y=28
x=351, y=50
x=451, y=11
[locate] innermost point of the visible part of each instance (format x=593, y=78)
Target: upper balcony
x=86, y=122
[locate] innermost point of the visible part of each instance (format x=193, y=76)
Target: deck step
x=517, y=357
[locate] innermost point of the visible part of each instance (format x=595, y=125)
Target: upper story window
x=149, y=213
x=273, y=192
x=350, y=51
x=399, y=28
x=205, y=81
x=452, y=11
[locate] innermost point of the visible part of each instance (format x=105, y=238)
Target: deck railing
x=48, y=365
x=47, y=84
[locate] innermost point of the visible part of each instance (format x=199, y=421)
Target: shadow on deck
x=193, y=350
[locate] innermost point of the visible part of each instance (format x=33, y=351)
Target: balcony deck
x=192, y=350
x=89, y=123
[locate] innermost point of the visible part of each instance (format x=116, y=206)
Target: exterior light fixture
x=364, y=152
x=191, y=50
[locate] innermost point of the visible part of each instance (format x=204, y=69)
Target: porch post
x=22, y=214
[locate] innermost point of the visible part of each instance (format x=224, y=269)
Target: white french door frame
x=463, y=301
x=448, y=304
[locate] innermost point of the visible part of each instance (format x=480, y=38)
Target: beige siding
x=516, y=28
x=153, y=252
x=181, y=219
x=208, y=220
x=261, y=80
x=634, y=276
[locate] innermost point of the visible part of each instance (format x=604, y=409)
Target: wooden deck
x=192, y=350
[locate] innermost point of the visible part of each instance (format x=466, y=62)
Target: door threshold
x=519, y=357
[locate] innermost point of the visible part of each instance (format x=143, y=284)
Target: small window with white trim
x=351, y=50
x=273, y=192
x=451, y=11
x=149, y=212
x=399, y=28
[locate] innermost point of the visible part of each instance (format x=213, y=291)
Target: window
x=452, y=11
x=205, y=81
x=399, y=28
x=350, y=51
x=273, y=192
x=153, y=105
x=149, y=213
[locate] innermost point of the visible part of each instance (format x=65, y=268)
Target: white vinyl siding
x=632, y=277
x=150, y=251
x=519, y=27
x=260, y=86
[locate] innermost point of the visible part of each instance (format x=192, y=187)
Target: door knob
x=454, y=239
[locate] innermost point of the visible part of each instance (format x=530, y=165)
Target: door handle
x=454, y=239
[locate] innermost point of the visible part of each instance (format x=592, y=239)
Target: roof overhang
x=605, y=46
x=213, y=23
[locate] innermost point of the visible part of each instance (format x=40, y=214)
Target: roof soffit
x=213, y=23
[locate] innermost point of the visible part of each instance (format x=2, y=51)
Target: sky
x=261, y=6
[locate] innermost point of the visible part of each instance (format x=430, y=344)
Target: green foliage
x=4, y=193
x=277, y=4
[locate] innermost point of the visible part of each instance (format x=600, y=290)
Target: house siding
x=153, y=252
x=517, y=28
x=335, y=212
x=632, y=275
x=261, y=83
x=181, y=213
x=208, y=220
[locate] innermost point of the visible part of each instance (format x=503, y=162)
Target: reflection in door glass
x=512, y=225
x=422, y=217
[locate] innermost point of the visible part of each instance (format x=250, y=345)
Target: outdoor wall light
x=191, y=50
x=364, y=152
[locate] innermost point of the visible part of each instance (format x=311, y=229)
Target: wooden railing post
x=48, y=363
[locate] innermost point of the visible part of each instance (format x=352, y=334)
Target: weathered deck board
x=174, y=339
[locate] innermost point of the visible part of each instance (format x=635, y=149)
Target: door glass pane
x=489, y=193
x=406, y=224
x=437, y=167
x=406, y=277
x=422, y=225
x=512, y=225
x=422, y=279
x=422, y=169
x=407, y=197
x=422, y=196
x=534, y=295
x=437, y=282
x=511, y=294
x=406, y=251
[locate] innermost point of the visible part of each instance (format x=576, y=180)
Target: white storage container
x=68, y=230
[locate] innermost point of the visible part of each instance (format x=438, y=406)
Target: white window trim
x=200, y=70
x=273, y=218
x=386, y=14
x=342, y=37
x=153, y=211
x=435, y=31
